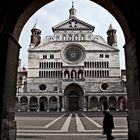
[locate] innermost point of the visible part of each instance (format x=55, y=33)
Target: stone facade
x=73, y=70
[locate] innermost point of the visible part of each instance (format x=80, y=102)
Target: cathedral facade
x=73, y=70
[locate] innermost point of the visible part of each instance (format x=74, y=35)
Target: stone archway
x=24, y=103
x=103, y=102
x=33, y=103
x=122, y=103
x=112, y=103
x=93, y=104
x=53, y=103
x=73, y=96
x=43, y=103
x=16, y=13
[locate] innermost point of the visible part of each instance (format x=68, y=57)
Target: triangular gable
x=73, y=24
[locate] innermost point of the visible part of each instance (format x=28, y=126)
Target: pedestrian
x=108, y=125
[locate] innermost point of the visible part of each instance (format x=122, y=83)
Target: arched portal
x=73, y=98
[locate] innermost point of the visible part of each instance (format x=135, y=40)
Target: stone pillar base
x=84, y=108
x=62, y=109
x=9, y=129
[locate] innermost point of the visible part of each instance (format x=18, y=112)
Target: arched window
x=80, y=74
x=76, y=37
x=73, y=74
x=82, y=37
x=70, y=37
x=66, y=74
x=64, y=37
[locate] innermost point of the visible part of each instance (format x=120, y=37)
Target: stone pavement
x=66, y=137
x=67, y=126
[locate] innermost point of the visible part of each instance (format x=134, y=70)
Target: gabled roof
x=73, y=24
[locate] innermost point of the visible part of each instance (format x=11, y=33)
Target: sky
x=58, y=11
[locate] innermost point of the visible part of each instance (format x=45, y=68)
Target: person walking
x=108, y=125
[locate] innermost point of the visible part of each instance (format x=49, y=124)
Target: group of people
x=108, y=125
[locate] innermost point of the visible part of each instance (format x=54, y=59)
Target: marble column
x=63, y=109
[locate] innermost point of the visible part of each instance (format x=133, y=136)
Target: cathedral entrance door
x=73, y=103
x=73, y=99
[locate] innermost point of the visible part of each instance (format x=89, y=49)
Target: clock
x=73, y=54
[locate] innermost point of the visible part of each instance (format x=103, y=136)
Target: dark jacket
x=108, y=123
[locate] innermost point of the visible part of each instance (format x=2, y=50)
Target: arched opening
x=43, y=104
x=80, y=74
x=24, y=103
x=73, y=95
x=93, y=106
x=33, y=104
x=122, y=103
x=53, y=104
x=103, y=103
x=12, y=23
x=112, y=103
x=73, y=74
x=66, y=74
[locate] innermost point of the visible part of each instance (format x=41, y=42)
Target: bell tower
x=35, y=36
x=112, y=37
x=72, y=11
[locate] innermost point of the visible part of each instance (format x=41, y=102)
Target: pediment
x=73, y=24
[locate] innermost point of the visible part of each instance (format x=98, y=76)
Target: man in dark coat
x=108, y=125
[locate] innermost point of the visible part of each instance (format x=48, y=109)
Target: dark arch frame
x=16, y=13
x=75, y=86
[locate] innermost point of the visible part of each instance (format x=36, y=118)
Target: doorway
x=74, y=103
x=73, y=98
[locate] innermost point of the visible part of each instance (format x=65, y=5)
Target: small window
x=55, y=88
x=20, y=78
x=42, y=87
x=101, y=55
x=106, y=56
x=104, y=86
x=51, y=56
x=44, y=56
x=64, y=37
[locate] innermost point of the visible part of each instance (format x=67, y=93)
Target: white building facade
x=73, y=70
